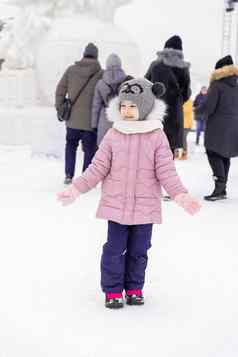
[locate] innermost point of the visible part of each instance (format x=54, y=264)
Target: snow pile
x=50, y=298
x=34, y=126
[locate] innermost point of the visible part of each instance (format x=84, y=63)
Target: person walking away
x=133, y=161
x=221, y=134
x=171, y=69
x=200, y=118
x=83, y=74
x=105, y=90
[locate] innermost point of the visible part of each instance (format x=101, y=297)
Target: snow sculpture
x=38, y=45
x=20, y=37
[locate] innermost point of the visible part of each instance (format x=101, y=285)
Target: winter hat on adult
x=142, y=93
x=113, y=61
x=174, y=42
x=225, y=61
x=91, y=51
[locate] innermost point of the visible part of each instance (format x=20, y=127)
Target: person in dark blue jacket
x=200, y=118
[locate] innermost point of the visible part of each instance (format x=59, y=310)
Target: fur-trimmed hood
x=172, y=58
x=152, y=122
x=224, y=72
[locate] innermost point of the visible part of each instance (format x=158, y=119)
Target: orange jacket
x=188, y=114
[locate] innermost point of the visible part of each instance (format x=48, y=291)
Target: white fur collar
x=139, y=126
x=152, y=122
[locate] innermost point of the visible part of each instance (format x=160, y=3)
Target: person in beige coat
x=82, y=75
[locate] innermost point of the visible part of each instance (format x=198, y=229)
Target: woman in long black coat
x=171, y=69
x=221, y=134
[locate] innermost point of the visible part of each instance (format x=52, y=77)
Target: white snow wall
x=34, y=126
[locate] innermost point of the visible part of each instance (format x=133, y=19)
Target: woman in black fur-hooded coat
x=221, y=134
x=171, y=69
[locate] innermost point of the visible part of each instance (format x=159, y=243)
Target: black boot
x=68, y=180
x=224, y=193
x=219, y=192
x=166, y=198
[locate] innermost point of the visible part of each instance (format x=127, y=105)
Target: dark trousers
x=220, y=166
x=89, y=146
x=124, y=257
x=199, y=129
x=185, y=135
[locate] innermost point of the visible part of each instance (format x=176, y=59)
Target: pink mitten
x=68, y=196
x=190, y=204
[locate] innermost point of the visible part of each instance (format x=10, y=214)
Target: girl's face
x=129, y=111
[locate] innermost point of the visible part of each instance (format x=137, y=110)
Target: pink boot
x=114, y=300
x=134, y=297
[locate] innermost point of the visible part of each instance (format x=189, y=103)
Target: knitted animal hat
x=143, y=93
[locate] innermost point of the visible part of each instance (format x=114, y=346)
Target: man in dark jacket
x=200, y=118
x=221, y=134
x=171, y=69
x=83, y=74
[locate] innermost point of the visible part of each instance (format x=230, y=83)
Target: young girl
x=133, y=161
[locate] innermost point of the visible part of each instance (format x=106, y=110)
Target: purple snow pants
x=124, y=257
x=89, y=146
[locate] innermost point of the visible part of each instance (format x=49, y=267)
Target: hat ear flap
x=158, y=89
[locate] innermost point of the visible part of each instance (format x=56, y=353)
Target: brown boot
x=177, y=154
x=184, y=156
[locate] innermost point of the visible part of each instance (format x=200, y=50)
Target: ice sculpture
x=38, y=45
x=20, y=37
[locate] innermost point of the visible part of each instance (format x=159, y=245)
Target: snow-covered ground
x=50, y=298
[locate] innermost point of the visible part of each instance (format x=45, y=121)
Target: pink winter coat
x=132, y=168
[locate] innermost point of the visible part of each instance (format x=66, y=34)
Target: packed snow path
x=50, y=298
